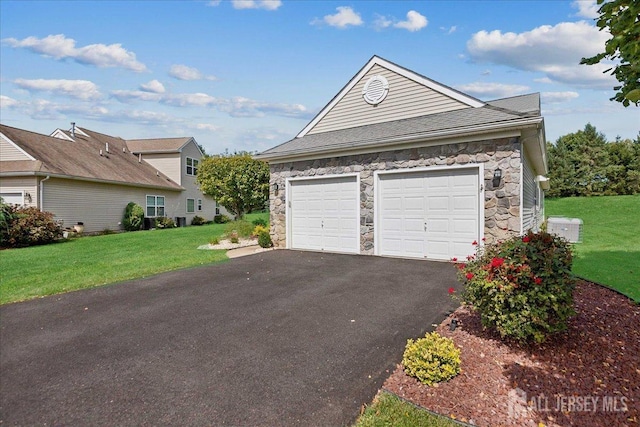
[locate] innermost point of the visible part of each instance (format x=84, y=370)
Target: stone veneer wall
x=501, y=206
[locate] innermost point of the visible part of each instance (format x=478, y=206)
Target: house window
x=155, y=206
x=192, y=166
x=199, y=205
x=217, y=208
x=191, y=205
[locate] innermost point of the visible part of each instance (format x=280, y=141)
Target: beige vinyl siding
x=167, y=163
x=100, y=206
x=9, y=151
x=192, y=191
x=532, y=212
x=406, y=98
x=27, y=184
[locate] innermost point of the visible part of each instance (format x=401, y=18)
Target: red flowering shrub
x=522, y=287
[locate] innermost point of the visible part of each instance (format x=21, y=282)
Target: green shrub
x=259, y=221
x=164, y=222
x=133, y=218
x=523, y=287
x=7, y=215
x=264, y=239
x=214, y=241
x=28, y=226
x=198, y=220
x=241, y=227
x=431, y=359
x=234, y=239
x=221, y=219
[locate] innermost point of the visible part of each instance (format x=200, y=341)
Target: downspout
x=42, y=192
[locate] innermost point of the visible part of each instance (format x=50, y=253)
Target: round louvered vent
x=375, y=90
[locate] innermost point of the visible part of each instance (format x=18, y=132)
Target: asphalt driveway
x=276, y=338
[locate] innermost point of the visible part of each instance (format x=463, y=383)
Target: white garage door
x=324, y=214
x=12, y=198
x=432, y=215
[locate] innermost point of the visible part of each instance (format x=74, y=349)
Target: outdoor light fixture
x=453, y=325
x=275, y=188
x=497, y=176
x=27, y=197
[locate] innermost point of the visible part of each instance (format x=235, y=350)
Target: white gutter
x=42, y=192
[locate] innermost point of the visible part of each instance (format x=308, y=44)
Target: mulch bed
x=586, y=376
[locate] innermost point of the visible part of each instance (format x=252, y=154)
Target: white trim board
x=420, y=79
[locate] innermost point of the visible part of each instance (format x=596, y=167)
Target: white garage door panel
x=428, y=214
x=12, y=198
x=324, y=214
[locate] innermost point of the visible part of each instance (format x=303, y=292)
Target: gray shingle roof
x=81, y=158
x=494, y=112
x=169, y=145
x=523, y=103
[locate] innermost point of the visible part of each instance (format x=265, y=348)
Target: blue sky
x=247, y=75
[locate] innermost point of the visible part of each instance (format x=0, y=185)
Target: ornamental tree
x=622, y=19
x=236, y=181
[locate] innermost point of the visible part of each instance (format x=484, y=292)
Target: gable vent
x=375, y=90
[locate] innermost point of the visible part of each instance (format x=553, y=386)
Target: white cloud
x=256, y=4
x=545, y=80
x=492, y=90
x=381, y=22
x=99, y=55
x=189, y=100
x=183, y=72
x=449, y=30
x=553, y=50
x=154, y=86
x=214, y=3
x=235, y=107
x=345, y=17
x=486, y=73
x=132, y=95
x=81, y=89
x=415, y=22
x=557, y=97
x=205, y=126
x=7, y=102
x=245, y=107
x=586, y=8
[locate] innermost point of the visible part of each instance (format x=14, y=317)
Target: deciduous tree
x=622, y=19
x=236, y=181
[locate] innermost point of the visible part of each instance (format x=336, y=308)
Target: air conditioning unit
x=569, y=228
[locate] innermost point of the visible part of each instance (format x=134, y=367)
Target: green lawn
x=389, y=410
x=98, y=260
x=610, y=250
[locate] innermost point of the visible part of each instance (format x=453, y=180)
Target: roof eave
x=440, y=137
x=87, y=179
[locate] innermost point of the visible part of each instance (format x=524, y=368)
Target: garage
x=12, y=198
x=433, y=214
x=436, y=169
x=323, y=214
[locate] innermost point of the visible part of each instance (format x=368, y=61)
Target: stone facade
x=502, y=203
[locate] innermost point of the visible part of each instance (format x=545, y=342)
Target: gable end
x=409, y=95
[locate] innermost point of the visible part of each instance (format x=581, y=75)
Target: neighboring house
x=178, y=158
x=400, y=165
x=85, y=176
